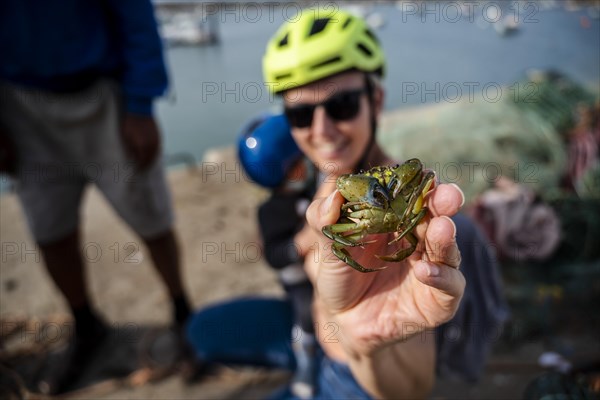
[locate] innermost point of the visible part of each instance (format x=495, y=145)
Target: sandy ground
x=215, y=222
x=215, y=208
x=215, y=213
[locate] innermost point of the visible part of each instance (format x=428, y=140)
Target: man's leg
x=65, y=265
x=165, y=254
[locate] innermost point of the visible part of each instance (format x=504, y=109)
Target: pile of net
x=471, y=143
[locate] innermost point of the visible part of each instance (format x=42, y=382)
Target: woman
x=375, y=328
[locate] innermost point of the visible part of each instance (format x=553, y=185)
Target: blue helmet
x=267, y=150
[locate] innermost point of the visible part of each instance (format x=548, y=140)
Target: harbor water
x=433, y=55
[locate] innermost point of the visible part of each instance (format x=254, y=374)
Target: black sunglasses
x=342, y=106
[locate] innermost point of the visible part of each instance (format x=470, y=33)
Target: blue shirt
x=64, y=45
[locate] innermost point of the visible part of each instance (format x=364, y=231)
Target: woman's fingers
x=325, y=209
x=446, y=199
x=441, y=260
x=449, y=282
x=440, y=242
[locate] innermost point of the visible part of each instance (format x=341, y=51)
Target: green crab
x=380, y=200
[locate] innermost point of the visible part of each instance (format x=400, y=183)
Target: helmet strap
x=362, y=162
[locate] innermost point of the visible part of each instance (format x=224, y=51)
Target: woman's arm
x=405, y=369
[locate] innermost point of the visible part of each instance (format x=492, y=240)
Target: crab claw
x=377, y=195
x=363, y=189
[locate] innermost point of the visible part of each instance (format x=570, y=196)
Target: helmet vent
x=347, y=22
x=364, y=49
x=371, y=35
x=318, y=25
x=326, y=62
x=283, y=76
x=284, y=40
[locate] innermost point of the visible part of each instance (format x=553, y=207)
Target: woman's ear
x=378, y=100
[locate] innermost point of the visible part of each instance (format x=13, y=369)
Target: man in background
x=77, y=83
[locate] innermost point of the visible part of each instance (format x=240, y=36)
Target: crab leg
x=350, y=239
x=334, y=231
x=402, y=253
x=413, y=222
x=413, y=206
x=343, y=255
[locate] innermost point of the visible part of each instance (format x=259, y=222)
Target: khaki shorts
x=64, y=142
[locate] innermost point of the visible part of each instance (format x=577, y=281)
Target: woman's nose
x=322, y=124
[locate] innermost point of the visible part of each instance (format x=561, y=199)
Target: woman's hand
x=374, y=310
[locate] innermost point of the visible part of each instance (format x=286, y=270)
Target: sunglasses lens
x=344, y=106
x=341, y=107
x=301, y=116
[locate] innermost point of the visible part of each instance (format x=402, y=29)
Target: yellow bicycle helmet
x=318, y=44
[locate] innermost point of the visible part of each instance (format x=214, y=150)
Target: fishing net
x=472, y=144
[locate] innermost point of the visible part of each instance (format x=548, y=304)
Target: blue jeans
x=334, y=381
